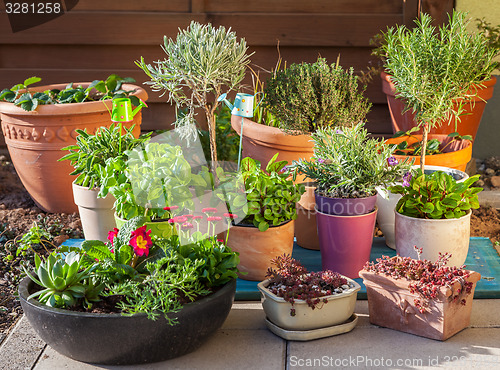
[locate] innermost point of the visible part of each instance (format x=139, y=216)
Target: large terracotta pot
x=469, y=121
x=456, y=155
x=258, y=248
x=434, y=237
x=35, y=140
x=306, y=231
x=391, y=305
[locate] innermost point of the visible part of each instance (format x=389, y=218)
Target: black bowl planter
x=113, y=339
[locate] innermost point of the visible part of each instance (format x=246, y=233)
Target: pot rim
x=262, y=286
x=255, y=227
x=362, y=198
x=24, y=294
x=344, y=216
x=95, y=188
x=449, y=220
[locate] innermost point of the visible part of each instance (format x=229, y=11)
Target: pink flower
x=112, y=235
x=171, y=208
x=141, y=241
x=198, y=217
x=171, y=221
x=186, y=226
x=189, y=216
x=209, y=210
x=220, y=240
x=180, y=219
x=230, y=215
x=214, y=218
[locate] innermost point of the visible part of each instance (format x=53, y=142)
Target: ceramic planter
x=35, y=139
x=345, y=206
x=469, y=121
x=457, y=157
x=339, y=308
x=345, y=241
x=391, y=305
x=96, y=214
x=386, y=202
x=306, y=231
x=113, y=339
x=257, y=248
x=434, y=236
x=161, y=229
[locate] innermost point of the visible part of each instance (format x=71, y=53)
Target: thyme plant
x=200, y=63
x=434, y=68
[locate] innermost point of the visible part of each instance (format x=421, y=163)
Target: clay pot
x=469, y=121
x=306, y=231
x=434, y=237
x=345, y=206
x=96, y=214
x=456, y=155
x=391, y=305
x=345, y=241
x=35, y=139
x=258, y=248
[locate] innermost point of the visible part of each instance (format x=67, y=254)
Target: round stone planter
x=113, y=339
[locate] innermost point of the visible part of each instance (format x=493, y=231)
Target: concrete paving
x=244, y=342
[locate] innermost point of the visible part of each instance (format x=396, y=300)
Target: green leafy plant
x=349, y=164
x=489, y=32
x=200, y=63
x=20, y=95
x=434, y=146
x=433, y=68
x=436, y=196
x=306, y=97
x=88, y=156
x=270, y=196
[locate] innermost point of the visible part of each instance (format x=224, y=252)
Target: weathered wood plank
x=129, y=5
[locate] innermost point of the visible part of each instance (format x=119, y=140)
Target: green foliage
x=490, y=33
x=306, y=97
x=349, y=164
x=35, y=236
x=270, y=197
x=98, y=90
x=436, y=196
x=88, y=156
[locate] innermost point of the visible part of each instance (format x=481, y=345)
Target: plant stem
x=425, y=131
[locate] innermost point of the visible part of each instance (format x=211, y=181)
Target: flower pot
x=113, y=339
x=391, y=305
x=469, y=121
x=386, y=202
x=457, y=154
x=35, y=139
x=161, y=229
x=434, y=237
x=345, y=241
x=345, y=206
x=336, y=311
x=258, y=248
x=96, y=214
x=306, y=231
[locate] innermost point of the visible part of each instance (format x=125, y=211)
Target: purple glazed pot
x=345, y=241
x=345, y=206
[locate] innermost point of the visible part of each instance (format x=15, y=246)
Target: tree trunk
x=425, y=131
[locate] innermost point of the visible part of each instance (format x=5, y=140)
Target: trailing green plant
x=88, y=156
x=111, y=88
x=306, y=97
x=433, y=68
x=263, y=197
x=436, y=196
x=489, y=32
x=349, y=164
x=200, y=63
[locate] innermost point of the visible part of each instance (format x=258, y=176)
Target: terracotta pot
x=345, y=206
x=469, y=121
x=456, y=155
x=336, y=311
x=345, y=241
x=306, y=231
x=96, y=214
x=161, y=229
x=35, y=140
x=391, y=305
x=257, y=248
x=434, y=237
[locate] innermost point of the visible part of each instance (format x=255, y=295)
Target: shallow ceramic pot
x=306, y=231
x=161, y=229
x=113, y=339
x=345, y=241
x=345, y=206
x=434, y=237
x=96, y=214
x=391, y=305
x=336, y=311
x=258, y=248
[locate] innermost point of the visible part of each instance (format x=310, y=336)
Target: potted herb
x=434, y=213
x=348, y=167
x=205, y=60
x=145, y=290
x=38, y=122
x=441, y=76
x=88, y=157
x=295, y=299
x=419, y=297
x=264, y=200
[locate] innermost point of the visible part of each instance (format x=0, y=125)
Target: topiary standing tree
x=200, y=63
